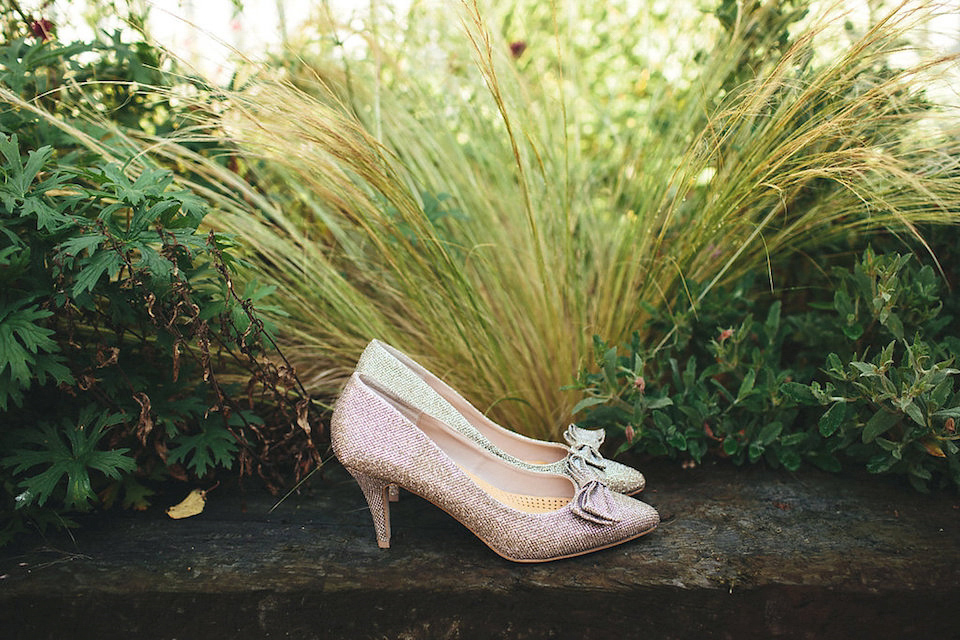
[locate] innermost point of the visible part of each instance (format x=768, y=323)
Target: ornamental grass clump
x=489, y=208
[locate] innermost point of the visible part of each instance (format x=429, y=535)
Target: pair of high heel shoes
x=397, y=425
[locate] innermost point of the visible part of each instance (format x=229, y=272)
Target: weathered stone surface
x=741, y=553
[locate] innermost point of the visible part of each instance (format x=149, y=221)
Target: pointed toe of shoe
x=624, y=479
x=638, y=517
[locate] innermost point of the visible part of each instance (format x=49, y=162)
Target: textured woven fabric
x=403, y=376
x=375, y=441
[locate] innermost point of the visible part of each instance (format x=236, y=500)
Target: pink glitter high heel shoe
x=523, y=516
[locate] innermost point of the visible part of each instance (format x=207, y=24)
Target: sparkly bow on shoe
x=585, y=449
x=594, y=502
x=585, y=444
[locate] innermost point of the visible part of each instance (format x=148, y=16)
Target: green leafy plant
x=128, y=353
x=67, y=450
x=763, y=390
x=110, y=307
x=898, y=416
x=724, y=397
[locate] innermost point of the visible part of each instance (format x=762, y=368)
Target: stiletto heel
x=378, y=494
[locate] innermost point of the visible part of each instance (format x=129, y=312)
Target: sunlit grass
x=548, y=238
x=482, y=214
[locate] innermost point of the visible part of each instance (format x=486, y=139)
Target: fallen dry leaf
x=191, y=505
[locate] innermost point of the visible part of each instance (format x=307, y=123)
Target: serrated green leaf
x=79, y=491
x=10, y=149
x=105, y=262
x=75, y=245
x=48, y=218
x=136, y=495
x=21, y=339
x=38, y=488
x=69, y=451
x=22, y=175
x=157, y=265
x=213, y=446
x=193, y=210
x=120, y=185
x=50, y=365
x=143, y=217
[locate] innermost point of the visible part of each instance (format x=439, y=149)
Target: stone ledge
x=741, y=553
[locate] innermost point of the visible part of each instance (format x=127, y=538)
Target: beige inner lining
x=519, y=501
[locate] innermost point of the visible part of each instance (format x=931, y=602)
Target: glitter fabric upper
x=400, y=374
x=380, y=444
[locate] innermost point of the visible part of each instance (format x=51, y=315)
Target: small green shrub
x=130, y=352
x=867, y=377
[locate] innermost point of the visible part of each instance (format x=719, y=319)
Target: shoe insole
x=520, y=501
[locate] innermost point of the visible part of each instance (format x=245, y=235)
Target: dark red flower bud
x=517, y=48
x=42, y=29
